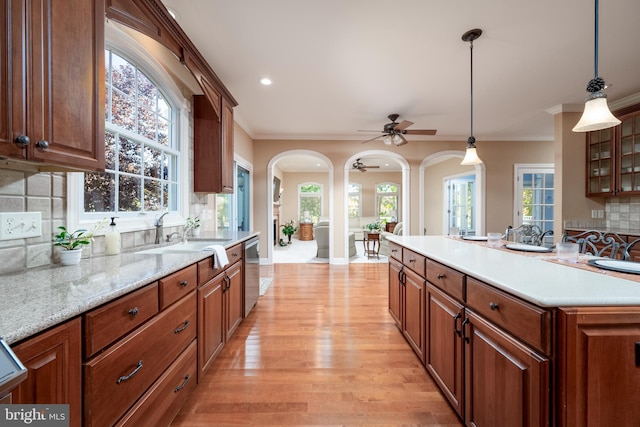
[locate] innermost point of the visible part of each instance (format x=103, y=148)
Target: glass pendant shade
x=596, y=114
x=471, y=157
x=397, y=139
x=387, y=140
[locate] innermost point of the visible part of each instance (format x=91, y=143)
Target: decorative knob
x=493, y=306
x=42, y=144
x=133, y=312
x=440, y=276
x=22, y=140
x=184, y=283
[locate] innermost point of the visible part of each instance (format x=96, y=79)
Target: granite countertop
x=36, y=299
x=532, y=278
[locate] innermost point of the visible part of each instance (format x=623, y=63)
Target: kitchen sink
x=182, y=248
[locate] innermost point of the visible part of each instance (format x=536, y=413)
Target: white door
x=534, y=196
x=460, y=213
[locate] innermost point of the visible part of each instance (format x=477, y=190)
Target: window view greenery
x=387, y=201
x=310, y=199
x=355, y=196
x=537, y=200
x=141, y=161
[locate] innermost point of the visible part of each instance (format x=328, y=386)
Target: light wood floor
x=319, y=349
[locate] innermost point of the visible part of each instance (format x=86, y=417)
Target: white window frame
x=124, y=45
x=320, y=194
x=359, y=194
x=518, y=170
x=394, y=193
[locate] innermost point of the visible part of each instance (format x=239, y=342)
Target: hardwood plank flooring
x=319, y=349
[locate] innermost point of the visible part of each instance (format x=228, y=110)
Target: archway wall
x=499, y=158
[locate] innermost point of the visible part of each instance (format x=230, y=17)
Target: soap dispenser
x=112, y=239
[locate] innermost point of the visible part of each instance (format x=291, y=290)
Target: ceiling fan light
x=397, y=139
x=596, y=115
x=387, y=140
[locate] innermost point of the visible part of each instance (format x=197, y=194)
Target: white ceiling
x=339, y=66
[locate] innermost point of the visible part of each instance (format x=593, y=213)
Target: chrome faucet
x=159, y=228
x=170, y=236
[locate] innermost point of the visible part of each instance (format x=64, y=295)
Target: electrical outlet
x=594, y=213
x=20, y=225
x=600, y=213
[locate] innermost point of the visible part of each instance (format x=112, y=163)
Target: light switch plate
x=20, y=225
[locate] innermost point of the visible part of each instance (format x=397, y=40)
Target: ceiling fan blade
x=372, y=139
x=420, y=132
x=370, y=167
x=362, y=169
x=402, y=125
x=404, y=140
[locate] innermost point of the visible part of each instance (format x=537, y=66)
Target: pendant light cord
x=597, y=84
x=471, y=139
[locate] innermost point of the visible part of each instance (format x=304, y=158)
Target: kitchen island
x=516, y=338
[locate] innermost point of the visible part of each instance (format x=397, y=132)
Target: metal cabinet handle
x=133, y=312
x=440, y=276
x=455, y=324
x=42, y=144
x=184, y=283
x=128, y=377
x=182, y=328
x=494, y=306
x=22, y=141
x=465, y=322
x=183, y=385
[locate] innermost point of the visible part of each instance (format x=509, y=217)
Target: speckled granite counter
x=541, y=282
x=36, y=299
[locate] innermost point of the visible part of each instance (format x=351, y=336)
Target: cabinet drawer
x=116, y=378
x=414, y=261
x=525, y=321
x=447, y=279
x=176, y=285
x=234, y=253
x=206, y=271
x=104, y=325
x=395, y=251
x=161, y=403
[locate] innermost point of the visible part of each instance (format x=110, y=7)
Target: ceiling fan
x=362, y=167
x=393, y=133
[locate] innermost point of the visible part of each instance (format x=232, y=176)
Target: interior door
x=534, y=196
x=460, y=193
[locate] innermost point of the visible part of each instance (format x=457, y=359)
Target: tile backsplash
x=623, y=213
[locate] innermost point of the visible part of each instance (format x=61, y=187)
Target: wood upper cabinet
x=52, y=83
x=506, y=382
x=213, y=146
x=613, y=156
x=54, y=362
x=599, y=366
x=444, y=348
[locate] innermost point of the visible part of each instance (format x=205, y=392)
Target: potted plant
x=374, y=227
x=72, y=243
x=288, y=228
x=193, y=225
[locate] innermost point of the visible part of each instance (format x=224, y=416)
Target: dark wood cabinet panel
x=395, y=290
x=54, y=361
x=54, y=88
x=413, y=325
x=210, y=321
x=507, y=383
x=234, y=299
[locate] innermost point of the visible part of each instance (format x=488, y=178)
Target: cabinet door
x=395, y=291
x=210, y=322
x=227, y=147
x=54, y=362
x=600, y=162
x=628, y=154
x=599, y=366
x=413, y=325
x=444, y=350
x=233, y=296
x=506, y=382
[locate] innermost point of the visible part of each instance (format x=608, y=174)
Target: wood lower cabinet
x=444, y=357
x=396, y=271
x=413, y=323
x=53, y=359
x=52, y=83
x=506, y=382
x=599, y=366
x=306, y=231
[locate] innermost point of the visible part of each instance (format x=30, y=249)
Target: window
x=310, y=200
x=233, y=210
x=141, y=156
x=355, y=198
x=461, y=204
x=387, y=201
x=534, y=196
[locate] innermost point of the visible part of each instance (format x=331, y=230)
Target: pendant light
x=596, y=113
x=471, y=155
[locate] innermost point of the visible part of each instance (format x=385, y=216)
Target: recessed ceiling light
x=318, y=164
x=265, y=81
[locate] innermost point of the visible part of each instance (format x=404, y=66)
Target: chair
x=601, y=244
x=322, y=240
x=529, y=234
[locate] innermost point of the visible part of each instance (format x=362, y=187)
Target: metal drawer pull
x=183, y=385
x=440, y=276
x=182, y=328
x=455, y=324
x=128, y=377
x=493, y=306
x=133, y=312
x=184, y=283
x=464, y=333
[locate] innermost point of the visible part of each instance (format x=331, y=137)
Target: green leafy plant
x=374, y=226
x=289, y=227
x=75, y=240
x=193, y=223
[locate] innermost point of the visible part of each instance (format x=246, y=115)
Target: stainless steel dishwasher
x=251, y=273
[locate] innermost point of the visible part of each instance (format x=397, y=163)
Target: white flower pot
x=195, y=232
x=71, y=257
